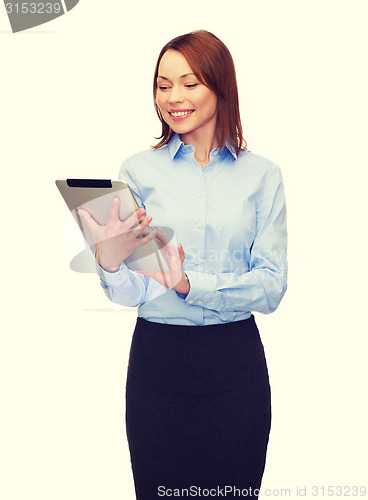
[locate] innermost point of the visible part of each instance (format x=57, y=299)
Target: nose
x=175, y=95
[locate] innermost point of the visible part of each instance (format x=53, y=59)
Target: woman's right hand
x=117, y=239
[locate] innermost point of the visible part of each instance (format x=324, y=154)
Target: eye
x=192, y=85
x=163, y=87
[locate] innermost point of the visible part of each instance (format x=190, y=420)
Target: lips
x=179, y=115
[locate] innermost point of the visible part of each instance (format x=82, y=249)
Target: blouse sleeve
x=125, y=287
x=263, y=286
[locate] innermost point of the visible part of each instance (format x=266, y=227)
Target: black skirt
x=198, y=410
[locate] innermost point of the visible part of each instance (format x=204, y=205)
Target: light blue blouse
x=230, y=218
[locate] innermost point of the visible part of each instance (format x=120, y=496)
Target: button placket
x=200, y=213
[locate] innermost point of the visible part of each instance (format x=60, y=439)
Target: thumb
x=181, y=254
x=86, y=216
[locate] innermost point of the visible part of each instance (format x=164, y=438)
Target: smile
x=176, y=114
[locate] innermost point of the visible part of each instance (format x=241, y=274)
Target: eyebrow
x=182, y=76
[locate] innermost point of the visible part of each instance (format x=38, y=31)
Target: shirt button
x=199, y=194
x=197, y=261
x=190, y=301
x=199, y=224
x=199, y=302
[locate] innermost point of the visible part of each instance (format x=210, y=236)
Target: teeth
x=181, y=113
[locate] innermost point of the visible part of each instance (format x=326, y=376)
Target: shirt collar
x=175, y=144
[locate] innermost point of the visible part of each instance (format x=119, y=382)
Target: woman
x=198, y=405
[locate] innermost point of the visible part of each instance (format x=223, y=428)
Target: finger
x=113, y=212
x=146, y=239
x=169, y=249
x=133, y=219
x=162, y=237
x=158, y=240
x=145, y=222
x=91, y=223
x=181, y=254
x=165, y=243
x=169, y=255
x=163, y=248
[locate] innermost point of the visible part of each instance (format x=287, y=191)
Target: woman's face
x=186, y=104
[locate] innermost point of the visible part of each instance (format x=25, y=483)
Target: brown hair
x=211, y=62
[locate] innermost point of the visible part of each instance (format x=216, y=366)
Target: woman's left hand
x=175, y=277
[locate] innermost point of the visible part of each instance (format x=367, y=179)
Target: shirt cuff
x=182, y=295
x=119, y=277
x=199, y=287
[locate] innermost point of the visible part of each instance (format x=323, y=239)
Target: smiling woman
x=206, y=63
x=198, y=408
x=186, y=104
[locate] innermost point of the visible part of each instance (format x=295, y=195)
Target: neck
x=203, y=141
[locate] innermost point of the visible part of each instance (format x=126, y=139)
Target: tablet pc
x=95, y=196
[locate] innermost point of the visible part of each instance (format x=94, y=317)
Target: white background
x=76, y=100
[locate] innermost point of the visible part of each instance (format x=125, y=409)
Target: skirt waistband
x=197, y=329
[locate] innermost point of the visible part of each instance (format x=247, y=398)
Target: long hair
x=211, y=62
